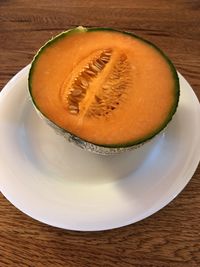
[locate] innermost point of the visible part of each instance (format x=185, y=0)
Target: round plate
x=57, y=183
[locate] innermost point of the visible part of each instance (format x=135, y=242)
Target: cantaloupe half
x=104, y=89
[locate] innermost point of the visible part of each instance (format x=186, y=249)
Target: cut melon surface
x=104, y=86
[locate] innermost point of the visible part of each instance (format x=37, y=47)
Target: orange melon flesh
x=148, y=96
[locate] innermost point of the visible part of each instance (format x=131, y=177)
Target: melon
x=105, y=90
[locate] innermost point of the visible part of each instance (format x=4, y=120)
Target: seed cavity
x=113, y=92
x=81, y=83
x=80, y=97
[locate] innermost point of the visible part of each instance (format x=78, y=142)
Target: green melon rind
x=105, y=148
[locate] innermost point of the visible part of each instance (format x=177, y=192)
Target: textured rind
x=112, y=148
x=84, y=144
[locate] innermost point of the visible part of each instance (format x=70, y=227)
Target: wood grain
x=170, y=237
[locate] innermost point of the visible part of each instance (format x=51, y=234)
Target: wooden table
x=171, y=237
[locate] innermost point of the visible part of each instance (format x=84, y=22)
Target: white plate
x=61, y=185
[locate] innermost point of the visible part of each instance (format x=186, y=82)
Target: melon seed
x=76, y=92
x=108, y=54
x=109, y=50
x=94, y=68
x=73, y=107
x=73, y=111
x=98, y=65
x=86, y=76
x=84, y=82
x=105, y=59
x=90, y=72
